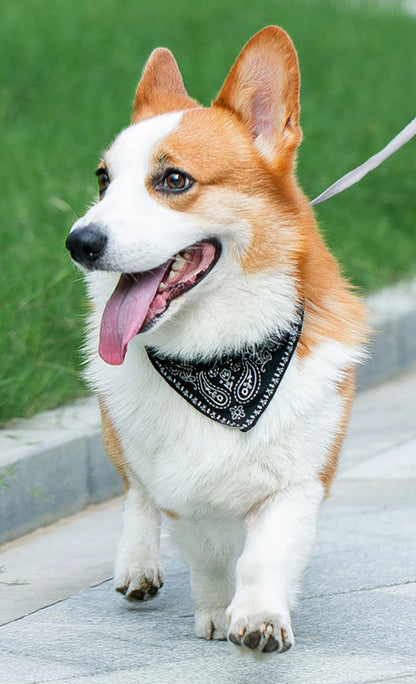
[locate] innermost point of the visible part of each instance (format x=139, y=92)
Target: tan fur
x=257, y=183
x=233, y=183
x=331, y=311
x=170, y=514
x=268, y=67
x=161, y=88
x=346, y=390
x=112, y=444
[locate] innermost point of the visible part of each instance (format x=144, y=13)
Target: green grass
x=68, y=74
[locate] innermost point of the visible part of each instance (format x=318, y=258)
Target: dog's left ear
x=160, y=88
x=262, y=89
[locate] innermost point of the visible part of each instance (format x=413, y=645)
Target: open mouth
x=141, y=298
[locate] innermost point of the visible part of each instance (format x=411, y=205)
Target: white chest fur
x=194, y=466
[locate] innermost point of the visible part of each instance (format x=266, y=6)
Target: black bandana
x=234, y=389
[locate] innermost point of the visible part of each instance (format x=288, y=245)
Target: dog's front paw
x=137, y=582
x=265, y=632
x=211, y=624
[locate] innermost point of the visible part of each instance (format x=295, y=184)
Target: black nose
x=86, y=244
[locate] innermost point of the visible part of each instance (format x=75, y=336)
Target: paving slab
x=55, y=562
x=382, y=417
x=401, y=467
x=378, y=462
x=344, y=636
x=354, y=623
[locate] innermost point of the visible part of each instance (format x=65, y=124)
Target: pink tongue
x=125, y=312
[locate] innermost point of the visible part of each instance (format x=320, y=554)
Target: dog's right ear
x=160, y=88
x=262, y=89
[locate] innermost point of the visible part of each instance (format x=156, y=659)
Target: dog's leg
x=210, y=555
x=280, y=533
x=138, y=572
x=212, y=588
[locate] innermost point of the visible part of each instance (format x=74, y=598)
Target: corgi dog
x=221, y=343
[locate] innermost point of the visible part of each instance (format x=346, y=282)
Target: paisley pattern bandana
x=234, y=389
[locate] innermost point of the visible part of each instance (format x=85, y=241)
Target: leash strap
x=357, y=174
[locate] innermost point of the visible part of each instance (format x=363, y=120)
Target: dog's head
x=184, y=189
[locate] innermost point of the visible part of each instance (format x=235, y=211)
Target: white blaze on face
x=142, y=234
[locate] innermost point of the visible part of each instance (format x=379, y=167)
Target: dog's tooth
x=186, y=255
x=178, y=264
x=172, y=275
x=162, y=287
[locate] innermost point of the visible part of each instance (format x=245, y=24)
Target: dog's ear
x=262, y=89
x=160, y=88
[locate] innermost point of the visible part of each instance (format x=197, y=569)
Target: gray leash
x=357, y=174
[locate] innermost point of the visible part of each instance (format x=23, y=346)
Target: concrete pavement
x=355, y=622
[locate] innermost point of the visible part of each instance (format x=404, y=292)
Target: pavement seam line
x=89, y=675
x=55, y=603
x=303, y=598
x=355, y=591
x=389, y=679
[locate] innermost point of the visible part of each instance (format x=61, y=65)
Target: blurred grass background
x=68, y=75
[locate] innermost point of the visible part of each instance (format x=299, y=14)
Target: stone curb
x=393, y=347
x=54, y=464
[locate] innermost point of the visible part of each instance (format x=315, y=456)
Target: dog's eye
x=103, y=179
x=175, y=181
